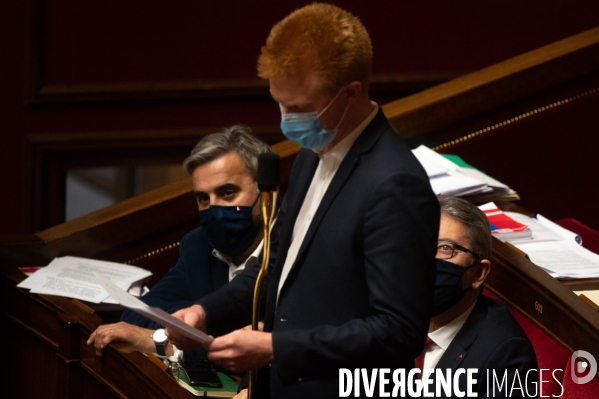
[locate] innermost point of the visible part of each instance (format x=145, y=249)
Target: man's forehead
x=226, y=168
x=296, y=90
x=453, y=230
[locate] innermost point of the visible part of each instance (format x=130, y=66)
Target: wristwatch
x=160, y=339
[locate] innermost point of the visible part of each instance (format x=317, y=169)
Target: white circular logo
x=582, y=366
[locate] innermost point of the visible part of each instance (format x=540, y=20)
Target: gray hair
x=238, y=138
x=475, y=221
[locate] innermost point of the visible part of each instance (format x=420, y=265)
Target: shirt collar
x=340, y=150
x=235, y=270
x=444, y=335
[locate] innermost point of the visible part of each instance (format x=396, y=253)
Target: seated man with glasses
x=469, y=330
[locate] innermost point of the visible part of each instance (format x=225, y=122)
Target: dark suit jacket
x=491, y=339
x=360, y=290
x=196, y=274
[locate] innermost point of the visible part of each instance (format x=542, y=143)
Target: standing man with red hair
x=351, y=284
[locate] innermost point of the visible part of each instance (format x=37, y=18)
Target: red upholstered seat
x=550, y=355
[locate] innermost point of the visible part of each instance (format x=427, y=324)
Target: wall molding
x=51, y=155
x=42, y=92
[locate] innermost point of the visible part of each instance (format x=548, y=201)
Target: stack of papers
x=74, y=277
x=555, y=249
x=450, y=175
x=502, y=226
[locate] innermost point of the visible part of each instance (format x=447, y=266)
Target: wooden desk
x=47, y=355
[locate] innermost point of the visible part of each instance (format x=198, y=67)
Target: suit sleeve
x=172, y=292
x=400, y=227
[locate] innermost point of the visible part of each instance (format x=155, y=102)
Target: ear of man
x=481, y=271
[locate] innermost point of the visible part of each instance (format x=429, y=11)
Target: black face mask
x=230, y=229
x=448, y=286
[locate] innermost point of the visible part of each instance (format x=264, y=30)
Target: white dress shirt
x=327, y=167
x=236, y=270
x=442, y=337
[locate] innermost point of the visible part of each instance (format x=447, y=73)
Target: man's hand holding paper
x=156, y=314
x=239, y=351
x=242, y=350
x=193, y=316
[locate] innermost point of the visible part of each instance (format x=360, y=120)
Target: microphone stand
x=268, y=181
x=267, y=201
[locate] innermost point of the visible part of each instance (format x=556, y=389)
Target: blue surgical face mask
x=230, y=229
x=305, y=129
x=449, y=288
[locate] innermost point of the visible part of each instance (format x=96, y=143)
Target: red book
x=503, y=225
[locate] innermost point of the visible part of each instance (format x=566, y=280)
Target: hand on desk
x=140, y=338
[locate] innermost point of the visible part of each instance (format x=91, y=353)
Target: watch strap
x=160, y=345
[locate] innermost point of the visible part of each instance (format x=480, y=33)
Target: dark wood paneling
x=65, y=69
x=124, y=231
x=492, y=87
x=52, y=155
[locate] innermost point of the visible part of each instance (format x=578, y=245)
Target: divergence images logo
x=581, y=367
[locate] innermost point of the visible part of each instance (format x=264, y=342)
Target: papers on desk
x=555, y=249
x=563, y=259
x=156, y=314
x=450, y=175
x=502, y=225
x=74, y=277
x=543, y=230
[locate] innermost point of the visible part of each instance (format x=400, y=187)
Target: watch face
x=159, y=336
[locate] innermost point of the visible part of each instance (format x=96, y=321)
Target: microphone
x=268, y=183
x=268, y=180
x=268, y=171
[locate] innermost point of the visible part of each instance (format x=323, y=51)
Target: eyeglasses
x=447, y=250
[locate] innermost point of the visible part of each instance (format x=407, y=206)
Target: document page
x=433, y=163
x=542, y=230
x=454, y=183
x=446, y=177
x=156, y=314
x=73, y=277
x=565, y=233
x=563, y=259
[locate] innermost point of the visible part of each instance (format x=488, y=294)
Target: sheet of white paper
x=455, y=183
x=73, y=277
x=563, y=259
x=156, y=314
x=477, y=174
x=434, y=164
x=567, y=234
